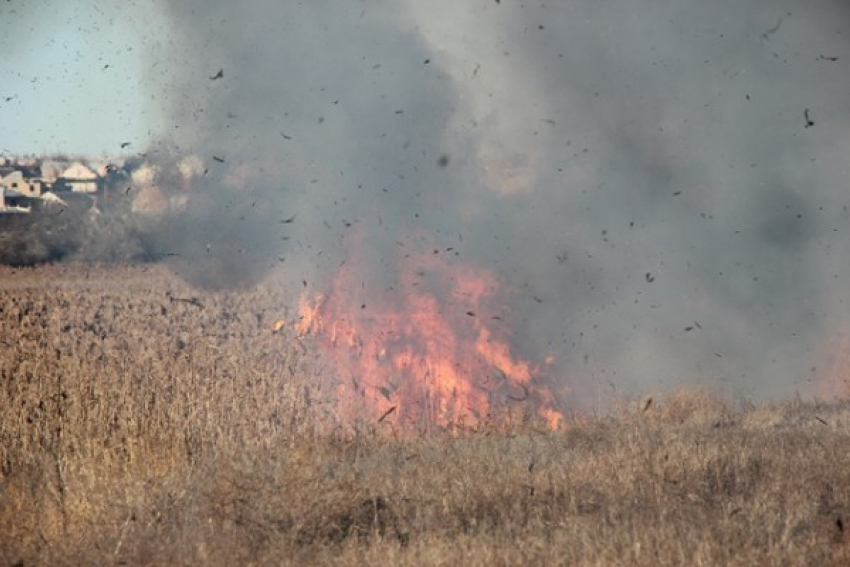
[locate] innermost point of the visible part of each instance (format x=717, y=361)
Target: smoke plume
x=661, y=185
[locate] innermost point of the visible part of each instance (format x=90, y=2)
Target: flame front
x=430, y=352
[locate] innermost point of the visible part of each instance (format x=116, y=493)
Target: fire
x=429, y=350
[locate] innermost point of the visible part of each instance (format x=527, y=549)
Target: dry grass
x=141, y=427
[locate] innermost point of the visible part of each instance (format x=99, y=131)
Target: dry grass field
x=146, y=423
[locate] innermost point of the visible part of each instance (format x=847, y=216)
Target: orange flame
x=430, y=353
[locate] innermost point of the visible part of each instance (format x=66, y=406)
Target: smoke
x=660, y=184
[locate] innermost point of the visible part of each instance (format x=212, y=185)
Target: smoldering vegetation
x=147, y=422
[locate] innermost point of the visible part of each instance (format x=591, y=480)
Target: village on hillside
x=28, y=183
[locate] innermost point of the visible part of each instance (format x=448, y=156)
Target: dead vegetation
x=146, y=423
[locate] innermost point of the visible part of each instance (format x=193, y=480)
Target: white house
x=80, y=178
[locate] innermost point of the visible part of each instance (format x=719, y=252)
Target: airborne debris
x=386, y=414
x=524, y=397
x=218, y=75
x=190, y=300
x=218, y=159
x=809, y=121
x=773, y=30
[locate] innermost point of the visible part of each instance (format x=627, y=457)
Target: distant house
x=23, y=182
x=13, y=202
x=79, y=179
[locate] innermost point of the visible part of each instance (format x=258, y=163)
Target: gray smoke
x=661, y=184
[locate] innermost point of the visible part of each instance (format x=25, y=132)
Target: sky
x=72, y=75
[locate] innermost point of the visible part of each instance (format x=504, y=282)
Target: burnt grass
x=144, y=422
